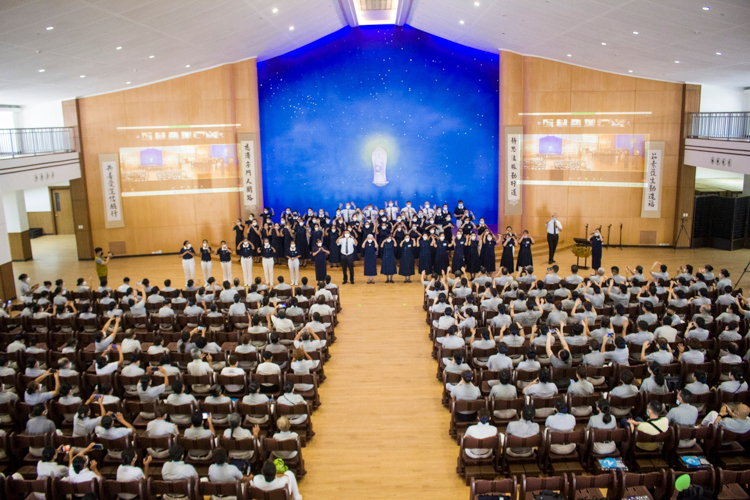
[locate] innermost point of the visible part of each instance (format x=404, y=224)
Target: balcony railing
x=16, y=142
x=729, y=126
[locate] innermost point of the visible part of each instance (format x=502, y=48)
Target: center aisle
x=381, y=430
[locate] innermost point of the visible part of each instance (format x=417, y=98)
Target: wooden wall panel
x=226, y=95
x=44, y=220
x=549, y=86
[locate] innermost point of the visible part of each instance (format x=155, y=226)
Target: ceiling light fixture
x=630, y=71
x=291, y=28
x=635, y=32
x=151, y=57
x=118, y=48
x=718, y=53
x=706, y=8
x=476, y=4
x=127, y=83
x=570, y=55
x=83, y=76
x=461, y=21
x=187, y=65
x=50, y=28
x=275, y=10
x=677, y=62
x=41, y=71
x=604, y=43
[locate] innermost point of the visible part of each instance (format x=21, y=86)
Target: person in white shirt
x=176, y=470
x=48, y=466
x=80, y=469
x=198, y=431
x=268, y=480
x=104, y=339
x=199, y=367
x=159, y=427
x=321, y=307
x=307, y=339
x=481, y=430
x=553, y=236
x=230, y=370
x=128, y=471
x=130, y=343
x=268, y=367
x=83, y=423
x=106, y=430
x=103, y=367
x=283, y=425
x=178, y=397
x=279, y=320
x=222, y=472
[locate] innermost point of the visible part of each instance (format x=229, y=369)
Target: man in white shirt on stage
x=348, y=246
x=553, y=236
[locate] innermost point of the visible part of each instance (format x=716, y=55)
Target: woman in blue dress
x=596, y=250
x=388, y=262
x=370, y=250
x=384, y=231
x=239, y=232
x=398, y=234
x=524, y=251
x=406, y=264
x=509, y=243
x=425, y=256
x=300, y=238
x=335, y=256
x=441, y=254
x=320, y=255
x=459, y=244
x=487, y=252
x=472, y=256
x=254, y=235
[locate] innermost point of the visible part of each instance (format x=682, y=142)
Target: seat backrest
x=538, y=484
x=110, y=489
x=142, y=442
x=155, y=488
x=253, y=493
x=501, y=487
x=19, y=489
x=607, y=481
x=61, y=488
x=206, y=488
x=492, y=442
x=270, y=444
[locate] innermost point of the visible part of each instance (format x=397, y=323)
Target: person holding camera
x=101, y=265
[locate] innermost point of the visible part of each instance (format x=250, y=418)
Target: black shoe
x=352, y=282
x=344, y=283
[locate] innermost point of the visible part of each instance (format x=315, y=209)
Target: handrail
x=728, y=126
x=15, y=142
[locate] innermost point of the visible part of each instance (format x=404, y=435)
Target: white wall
x=716, y=99
x=7, y=119
x=37, y=200
x=48, y=114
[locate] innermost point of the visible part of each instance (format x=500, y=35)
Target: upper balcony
x=37, y=157
x=18, y=142
x=719, y=141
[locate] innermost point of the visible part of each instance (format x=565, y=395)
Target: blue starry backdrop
x=426, y=107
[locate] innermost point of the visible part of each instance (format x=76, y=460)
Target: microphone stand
x=620, y=235
x=609, y=230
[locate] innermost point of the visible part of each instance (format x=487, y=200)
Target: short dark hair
x=176, y=452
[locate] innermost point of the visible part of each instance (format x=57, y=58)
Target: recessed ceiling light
x=630, y=71
x=275, y=10
x=570, y=55
x=476, y=4
x=83, y=76
x=677, y=62
x=50, y=28
x=187, y=65
x=706, y=8
x=461, y=21
x=118, y=48
x=635, y=32
x=127, y=83
x=151, y=57
x=718, y=53
x=291, y=28
x=41, y=71
x=604, y=43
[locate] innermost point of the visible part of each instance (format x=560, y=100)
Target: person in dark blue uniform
x=300, y=238
x=388, y=262
x=206, y=264
x=524, y=251
x=441, y=254
x=425, y=255
x=406, y=264
x=320, y=255
x=334, y=258
x=459, y=245
x=254, y=235
x=225, y=259
x=292, y=256
x=370, y=250
x=596, y=250
x=187, y=254
x=509, y=243
x=487, y=253
x=472, y=256
x=239, y=232
x=399, y=233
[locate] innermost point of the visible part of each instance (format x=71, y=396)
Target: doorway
x=62, y=208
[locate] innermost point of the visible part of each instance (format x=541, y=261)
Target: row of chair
x=657, y=485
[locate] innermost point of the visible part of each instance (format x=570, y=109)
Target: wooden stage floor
x=381, y=430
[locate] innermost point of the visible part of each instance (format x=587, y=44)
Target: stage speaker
x=721, y=222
